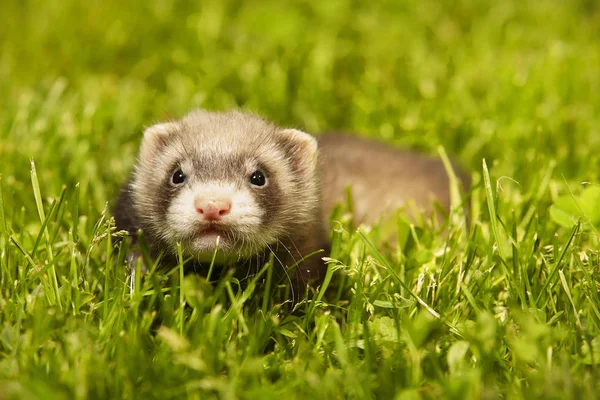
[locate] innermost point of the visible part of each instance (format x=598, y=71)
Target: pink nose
x=212, y=209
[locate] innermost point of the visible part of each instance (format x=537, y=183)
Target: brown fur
x=381, y=178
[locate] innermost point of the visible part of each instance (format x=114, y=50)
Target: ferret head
x=231, y=176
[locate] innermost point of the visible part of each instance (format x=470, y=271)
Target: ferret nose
x=212, y=209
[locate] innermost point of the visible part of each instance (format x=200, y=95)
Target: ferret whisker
x=297, y=271
x=249, y=267
x=289, y=279
x=258, y=266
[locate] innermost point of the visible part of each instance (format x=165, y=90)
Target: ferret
x=235, y=181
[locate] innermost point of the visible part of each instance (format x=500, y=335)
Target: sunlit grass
x=505, y=305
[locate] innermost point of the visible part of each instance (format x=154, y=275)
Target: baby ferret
x=251, y=188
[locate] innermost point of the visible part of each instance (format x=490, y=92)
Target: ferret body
x=260, y=189
x=381, y=178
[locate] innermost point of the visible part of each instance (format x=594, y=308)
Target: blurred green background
x=516, y=82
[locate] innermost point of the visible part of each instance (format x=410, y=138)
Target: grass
x=507, y=307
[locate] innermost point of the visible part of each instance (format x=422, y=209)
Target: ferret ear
x=155, y=138
x=302, y=146
x=302, y=149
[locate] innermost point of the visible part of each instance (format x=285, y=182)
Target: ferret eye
x=258, y=179
x=178, y=177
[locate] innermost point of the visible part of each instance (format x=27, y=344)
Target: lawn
x=504, y=306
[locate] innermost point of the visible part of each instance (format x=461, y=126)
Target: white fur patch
x=243, y=219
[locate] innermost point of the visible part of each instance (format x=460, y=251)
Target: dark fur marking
x=165, y=194
x=269, y=199
x=123, y=211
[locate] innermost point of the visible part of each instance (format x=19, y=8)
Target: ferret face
x=229, y=177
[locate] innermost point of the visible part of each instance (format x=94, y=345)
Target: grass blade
x=40, y=208
x=557, y=264
x=383, y=262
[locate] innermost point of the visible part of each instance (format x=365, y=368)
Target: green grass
x=508, y=307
